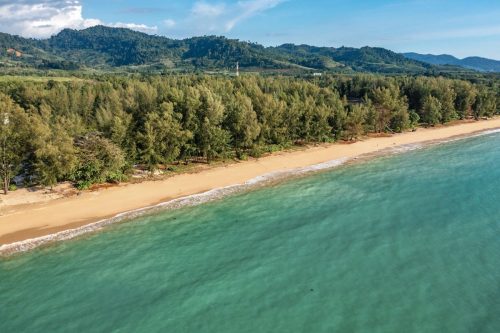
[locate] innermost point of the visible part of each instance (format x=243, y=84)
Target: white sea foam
x=191, y=200
x=488, y=132
x=406, y=148
x=483, y=133
x=410, y=147
x=323, y=166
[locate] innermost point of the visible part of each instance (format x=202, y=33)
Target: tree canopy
x=92, y=131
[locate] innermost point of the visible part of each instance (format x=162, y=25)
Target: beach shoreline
x=33, y=225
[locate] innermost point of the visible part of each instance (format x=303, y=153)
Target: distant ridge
x=475, y=63
x=108, y=49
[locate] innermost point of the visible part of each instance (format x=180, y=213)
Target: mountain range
x=110, y=49
x=475, y=63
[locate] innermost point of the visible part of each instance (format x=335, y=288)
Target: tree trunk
x=5, y=185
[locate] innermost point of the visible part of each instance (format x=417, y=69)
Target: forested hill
x=109, y=48
x=475, y=63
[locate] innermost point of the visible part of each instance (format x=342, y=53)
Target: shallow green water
x=408, y=243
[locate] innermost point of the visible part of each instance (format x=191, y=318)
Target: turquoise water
x=407, y=243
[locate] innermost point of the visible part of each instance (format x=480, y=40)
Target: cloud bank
x=43, y=18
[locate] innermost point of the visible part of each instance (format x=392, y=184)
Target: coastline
x=35, y=224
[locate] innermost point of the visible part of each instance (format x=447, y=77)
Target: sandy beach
x=31, y=220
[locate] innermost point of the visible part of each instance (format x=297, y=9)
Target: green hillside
x=105, y=48
x=475, y=63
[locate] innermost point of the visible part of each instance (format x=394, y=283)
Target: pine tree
x=14, y=135
x=54, y=155
x=431, y=111
x=241, y=121
x=163, y=138
x=355, y=121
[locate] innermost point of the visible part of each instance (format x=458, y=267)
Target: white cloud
x=222, y=17
x=43, y=18
x=169, y=23
x=135, y=26
x=250, y=8
x=204, y=9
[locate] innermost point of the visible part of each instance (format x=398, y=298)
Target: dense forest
x=117, y=49
x=97, y=130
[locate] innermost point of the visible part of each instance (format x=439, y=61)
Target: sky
x=458, y=27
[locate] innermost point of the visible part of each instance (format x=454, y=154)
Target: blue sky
x=462, y=28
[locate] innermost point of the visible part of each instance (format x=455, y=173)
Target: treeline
x=93, y=131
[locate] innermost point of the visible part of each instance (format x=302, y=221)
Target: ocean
x=408, y=242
